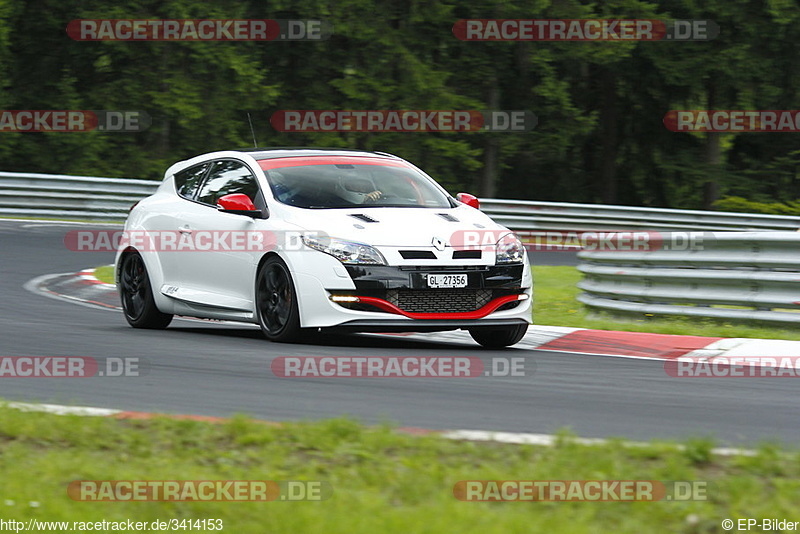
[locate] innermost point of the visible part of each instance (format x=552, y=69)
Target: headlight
x=345, y=251
x=509, y=250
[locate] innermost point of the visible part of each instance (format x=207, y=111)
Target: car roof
x=261, y=153
x=265, y=153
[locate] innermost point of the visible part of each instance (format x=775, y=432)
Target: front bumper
x=405, y=291
x=391, y=325
x=396, y=298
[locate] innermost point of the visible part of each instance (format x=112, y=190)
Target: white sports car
x=299, y=240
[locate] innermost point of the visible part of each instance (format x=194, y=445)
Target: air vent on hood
x=447, y=217
x=362, y=217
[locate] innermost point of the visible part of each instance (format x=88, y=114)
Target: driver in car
x=357, y=190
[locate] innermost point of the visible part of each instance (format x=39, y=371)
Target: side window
x=188, y=180
x=228, y=177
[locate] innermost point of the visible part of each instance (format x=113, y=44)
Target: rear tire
x=136, y=295
x=498, y=337
x=276, y=302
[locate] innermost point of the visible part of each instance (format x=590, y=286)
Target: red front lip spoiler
x=480, y=313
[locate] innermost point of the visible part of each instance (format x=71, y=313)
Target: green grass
x=105, y=274
x=383, y=482
x=555, y=303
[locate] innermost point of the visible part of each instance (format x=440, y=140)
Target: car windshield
x=348, y=183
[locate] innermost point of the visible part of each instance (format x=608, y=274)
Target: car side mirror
x=469, y=200
x=239, y=204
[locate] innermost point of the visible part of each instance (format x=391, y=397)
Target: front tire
x=498, y=337
x=136, y=295
x=276, y=302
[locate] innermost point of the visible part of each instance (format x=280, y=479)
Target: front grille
x=439, y=300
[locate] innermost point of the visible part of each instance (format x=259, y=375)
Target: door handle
x=185, y=229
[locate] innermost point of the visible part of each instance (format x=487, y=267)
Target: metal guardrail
x=83, y=197
x=70, y=197
x=532, y=215
x=747, y=275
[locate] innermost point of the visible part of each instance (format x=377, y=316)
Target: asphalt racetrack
x=210, y=369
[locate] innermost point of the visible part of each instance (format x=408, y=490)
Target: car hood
x=394, y=227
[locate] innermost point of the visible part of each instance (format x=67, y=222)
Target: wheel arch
x=154, y=273
x=292, y=279
x=121, y=258
x=264, y=258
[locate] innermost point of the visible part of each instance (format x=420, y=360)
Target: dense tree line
x=600, y=105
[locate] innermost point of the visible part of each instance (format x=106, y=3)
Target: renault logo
x=438, y=243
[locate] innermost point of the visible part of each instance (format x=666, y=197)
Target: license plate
x=447, y=280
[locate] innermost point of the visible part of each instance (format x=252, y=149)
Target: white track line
x=549, y=440
x=59, y=409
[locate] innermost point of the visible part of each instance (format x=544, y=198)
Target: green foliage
x=748, y=206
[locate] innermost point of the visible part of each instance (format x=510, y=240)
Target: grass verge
x=105, y=274
x=555, y=303
x=382, y=481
